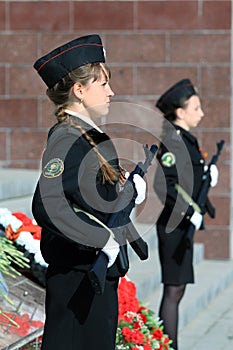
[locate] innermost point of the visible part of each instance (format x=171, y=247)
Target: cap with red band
x=58, y=63
x=171, y=99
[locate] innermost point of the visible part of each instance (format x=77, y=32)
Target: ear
x=78, y=90
x=180, y=113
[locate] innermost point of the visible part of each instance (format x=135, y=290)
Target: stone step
x=212, y=327
x=16, y=183
x=147, y=273
x=16, y=189
x=22, y=204
x=211, y=276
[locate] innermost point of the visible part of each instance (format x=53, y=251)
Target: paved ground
x=29, y=302
x=212, y=329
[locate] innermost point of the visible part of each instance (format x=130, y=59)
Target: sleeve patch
x=53, y=168
x=168, y=159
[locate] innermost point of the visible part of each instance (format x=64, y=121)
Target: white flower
x=24, y=237
x=6, y=218
x=4, y=211
x=39, y=259
x=33, y=246
x=34, y=222
x=30, y=244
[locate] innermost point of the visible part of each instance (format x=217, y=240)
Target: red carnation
x=132, y=336
x=147, y=347
x=142, y=308
x=24, y=325
x=136, y=325
x=157, y=334
x=126, y=333
x=23, y=217
x=143, y=317
x=166, y=340
x=137, y=337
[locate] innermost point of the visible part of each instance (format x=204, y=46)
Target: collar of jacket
x=185, y=133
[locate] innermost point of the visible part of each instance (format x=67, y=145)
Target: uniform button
x=188, y=217
x=182, y=213
x=201, y=161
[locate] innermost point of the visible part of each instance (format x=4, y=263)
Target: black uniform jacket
x=71, y=176
x=180, y=163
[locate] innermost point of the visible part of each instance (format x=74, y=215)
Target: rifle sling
x=123, y=263
x=92, y=217
x=187, y=198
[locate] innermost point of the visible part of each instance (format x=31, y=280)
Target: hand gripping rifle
x=202, y=202
x=97, y=274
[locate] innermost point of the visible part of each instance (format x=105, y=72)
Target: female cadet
x=177, y=183
x=74, y=197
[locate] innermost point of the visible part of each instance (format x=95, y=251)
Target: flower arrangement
x=24, y=233
x=138, y=328
x=19, y=324
x=12, y=260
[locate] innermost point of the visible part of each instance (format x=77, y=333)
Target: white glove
x=213, y=175
x=140, y=185
x=111, y=249
x=196, y=220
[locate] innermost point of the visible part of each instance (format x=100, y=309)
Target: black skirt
x=174, y=271
x=76, y=318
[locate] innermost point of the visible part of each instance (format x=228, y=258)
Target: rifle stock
x=97, y=274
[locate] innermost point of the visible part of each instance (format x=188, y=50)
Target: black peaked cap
x=62, y=60
x=183, y=89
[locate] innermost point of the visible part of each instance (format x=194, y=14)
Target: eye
x=105, y=83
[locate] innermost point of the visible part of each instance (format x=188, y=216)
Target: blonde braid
x=108, y=172
x=61, y=115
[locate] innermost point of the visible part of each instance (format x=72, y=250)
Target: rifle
x=97, y=274
x=202, y=202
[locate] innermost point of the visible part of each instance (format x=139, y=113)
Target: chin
x=102, y=110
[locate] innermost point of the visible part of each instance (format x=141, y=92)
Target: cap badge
x=168, y=159
x=53, y=168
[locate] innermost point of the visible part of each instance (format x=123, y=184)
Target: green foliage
x=10, y=255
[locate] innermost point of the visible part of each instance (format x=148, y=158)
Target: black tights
x=168, y=311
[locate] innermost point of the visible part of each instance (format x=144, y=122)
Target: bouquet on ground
x=12, y=259
x=25, y=235
x=138, y=328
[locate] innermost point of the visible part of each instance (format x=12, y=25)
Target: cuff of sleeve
x=188, y=214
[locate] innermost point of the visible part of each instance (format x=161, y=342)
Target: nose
x=202, y=113
x=110, y=92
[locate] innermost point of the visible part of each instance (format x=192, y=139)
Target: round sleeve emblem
x=168, y=159
x=53, y=168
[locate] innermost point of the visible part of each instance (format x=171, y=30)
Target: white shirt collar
x=84, y=118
